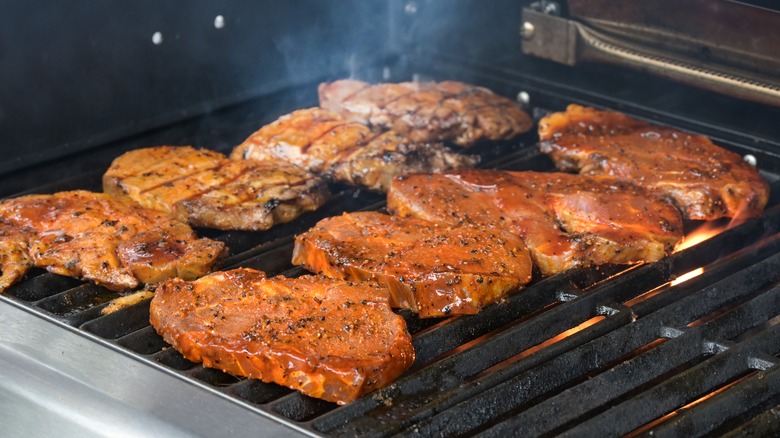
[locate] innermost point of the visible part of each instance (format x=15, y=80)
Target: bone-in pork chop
x=99, y=238
x=566, y=220
x=326, y=338
x=433, y=269
x=703, y=180
x=325, y=143
x=206, y=189
x=428, y=111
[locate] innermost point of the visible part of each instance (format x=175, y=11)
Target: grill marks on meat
x=206, y=189
x=428, y=111
x=99, y=238
x=326, y=338
x=433, y=269
x=567, y=221
x=323, y=142
x=703, y=180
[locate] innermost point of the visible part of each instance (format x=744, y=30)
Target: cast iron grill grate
x=614, y=350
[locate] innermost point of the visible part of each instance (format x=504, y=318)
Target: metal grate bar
x=683, y=388
x=600, y=391
x=765, y=424
x=510, y=394
x=743, y=397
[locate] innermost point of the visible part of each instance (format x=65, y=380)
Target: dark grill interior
x=608, y=351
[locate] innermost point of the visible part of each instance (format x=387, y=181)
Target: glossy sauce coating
x=326, y=338
x=703, y=180
x=433, y=269
x=567, y=221
x=99, y=238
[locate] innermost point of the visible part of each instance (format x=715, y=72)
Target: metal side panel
x=56, y=382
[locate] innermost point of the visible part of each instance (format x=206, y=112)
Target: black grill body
x=615, y=350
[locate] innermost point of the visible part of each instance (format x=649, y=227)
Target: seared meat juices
x=703, y=180
x=428, y=111
x=99, y=238
x=323, y=142
x=566, y=220
x=326, y=338
x=206, y=189
x=433, y=269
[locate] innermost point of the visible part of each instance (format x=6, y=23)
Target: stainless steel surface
x=741, y=65
x=553, y=38
x=57, y=382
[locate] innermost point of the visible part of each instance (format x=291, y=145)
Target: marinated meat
x=703, y=180
x=428, y=111
x=567, y=221
x=433, y=269
x=99, y=238
x=323, y=142
x=206, y=189
x=326, y=338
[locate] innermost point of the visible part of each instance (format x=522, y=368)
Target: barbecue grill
x=686, y=346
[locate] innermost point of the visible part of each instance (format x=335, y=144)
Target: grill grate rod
x=601, y=390
x=706, y=418
x=506, y=394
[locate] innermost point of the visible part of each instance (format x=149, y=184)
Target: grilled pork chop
x=433, y=269
x=566, y=220
x=99, y=238
x=325, y=143
x=206, y=189
x=703, y=180
x=326, y=338
x=428, y=111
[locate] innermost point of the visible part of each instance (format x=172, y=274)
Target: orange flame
x=687, y=276
x=559, y=337
x=702, y=233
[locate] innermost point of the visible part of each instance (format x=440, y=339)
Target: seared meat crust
x=325, y=143
x=703, y=180
x=433, y=269
x=206, y=189
x=326, y=338
x=567, y=221
x=428, y=111
x=96, y=237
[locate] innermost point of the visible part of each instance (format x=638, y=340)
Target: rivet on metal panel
x=386, y=73
x=524, y=99
x=219, y=22
x=157, y=38
x=527, y=30
x=751, y=159
x=410, y=8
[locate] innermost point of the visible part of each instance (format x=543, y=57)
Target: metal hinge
x=571, y=42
